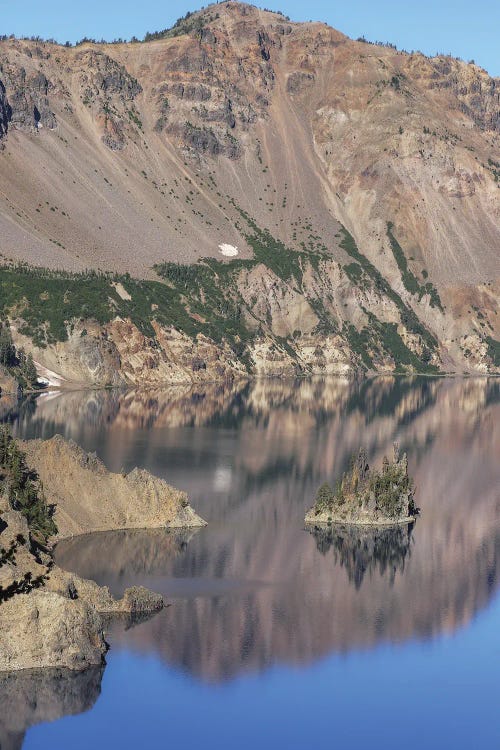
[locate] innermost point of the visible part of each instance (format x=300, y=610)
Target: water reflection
x=365, y=550
x=254, y=588
x=30, y=697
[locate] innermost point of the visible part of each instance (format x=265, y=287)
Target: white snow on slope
x=228, y=250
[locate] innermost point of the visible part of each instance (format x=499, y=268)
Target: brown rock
x=44, y=629
x=89, y=498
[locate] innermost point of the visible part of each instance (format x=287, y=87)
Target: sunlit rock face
x=166, y=146
x=255, y=588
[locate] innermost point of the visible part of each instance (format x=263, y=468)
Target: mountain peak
x=239, y=129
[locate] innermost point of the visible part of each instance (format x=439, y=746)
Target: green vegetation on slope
x=408, y=317
x=15, y=361
x=24, y=493
x=410, y=281
x=205, y=298
x=23, y=489
x=47, y=300
x=493, y=350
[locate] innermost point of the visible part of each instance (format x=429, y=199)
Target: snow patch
x=228, y=250
x=49, y=378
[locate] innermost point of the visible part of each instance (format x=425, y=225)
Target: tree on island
x=362, y=491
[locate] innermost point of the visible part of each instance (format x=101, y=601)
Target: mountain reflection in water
x=254, y=588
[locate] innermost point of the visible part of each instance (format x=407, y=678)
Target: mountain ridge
x=243, y=132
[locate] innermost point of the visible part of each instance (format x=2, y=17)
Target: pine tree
x=30, y=372
x=24, y=488
x=7, y=348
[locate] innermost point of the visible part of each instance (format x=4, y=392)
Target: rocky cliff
x=89, y=498
x=345, y=193
x=50, y=617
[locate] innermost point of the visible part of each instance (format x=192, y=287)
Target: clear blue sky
x=461, y=27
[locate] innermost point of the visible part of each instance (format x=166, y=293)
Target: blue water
x=274, y=637
x=432, y=695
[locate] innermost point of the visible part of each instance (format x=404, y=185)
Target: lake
x=275, y=637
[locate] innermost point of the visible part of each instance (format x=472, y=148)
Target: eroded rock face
x=24, y=100
x=239, y=110
x=89, y=498
x=476, y=91
x=108, y=90
x=44, y=629
x=4, y=112
x=55, y=619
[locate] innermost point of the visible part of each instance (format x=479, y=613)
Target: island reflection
x=362, y=550
x=256, y=589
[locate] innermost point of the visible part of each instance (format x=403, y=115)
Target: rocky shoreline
x=326, y=518
x=49, y=617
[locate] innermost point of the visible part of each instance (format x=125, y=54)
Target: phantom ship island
x=367, y=497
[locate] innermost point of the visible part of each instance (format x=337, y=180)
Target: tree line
x=16, y=361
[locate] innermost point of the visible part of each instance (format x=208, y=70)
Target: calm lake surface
x=274, y=637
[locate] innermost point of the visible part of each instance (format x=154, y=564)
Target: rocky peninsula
x=89, y=498
x=367, y=497
x=48, y=616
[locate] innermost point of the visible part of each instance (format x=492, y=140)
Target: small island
x=367, y=497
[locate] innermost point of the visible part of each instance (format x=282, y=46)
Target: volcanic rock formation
x=367, y=497
x=360, y=185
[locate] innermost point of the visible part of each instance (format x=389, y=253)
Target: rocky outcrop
x=5, y=113
x=24, y=100
x=43, y=629
x=136, y=602
x=40, y=627
x=50, y=617
x=108, y=90
x=88, y=498
x=365, y=497
x=477, y=93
